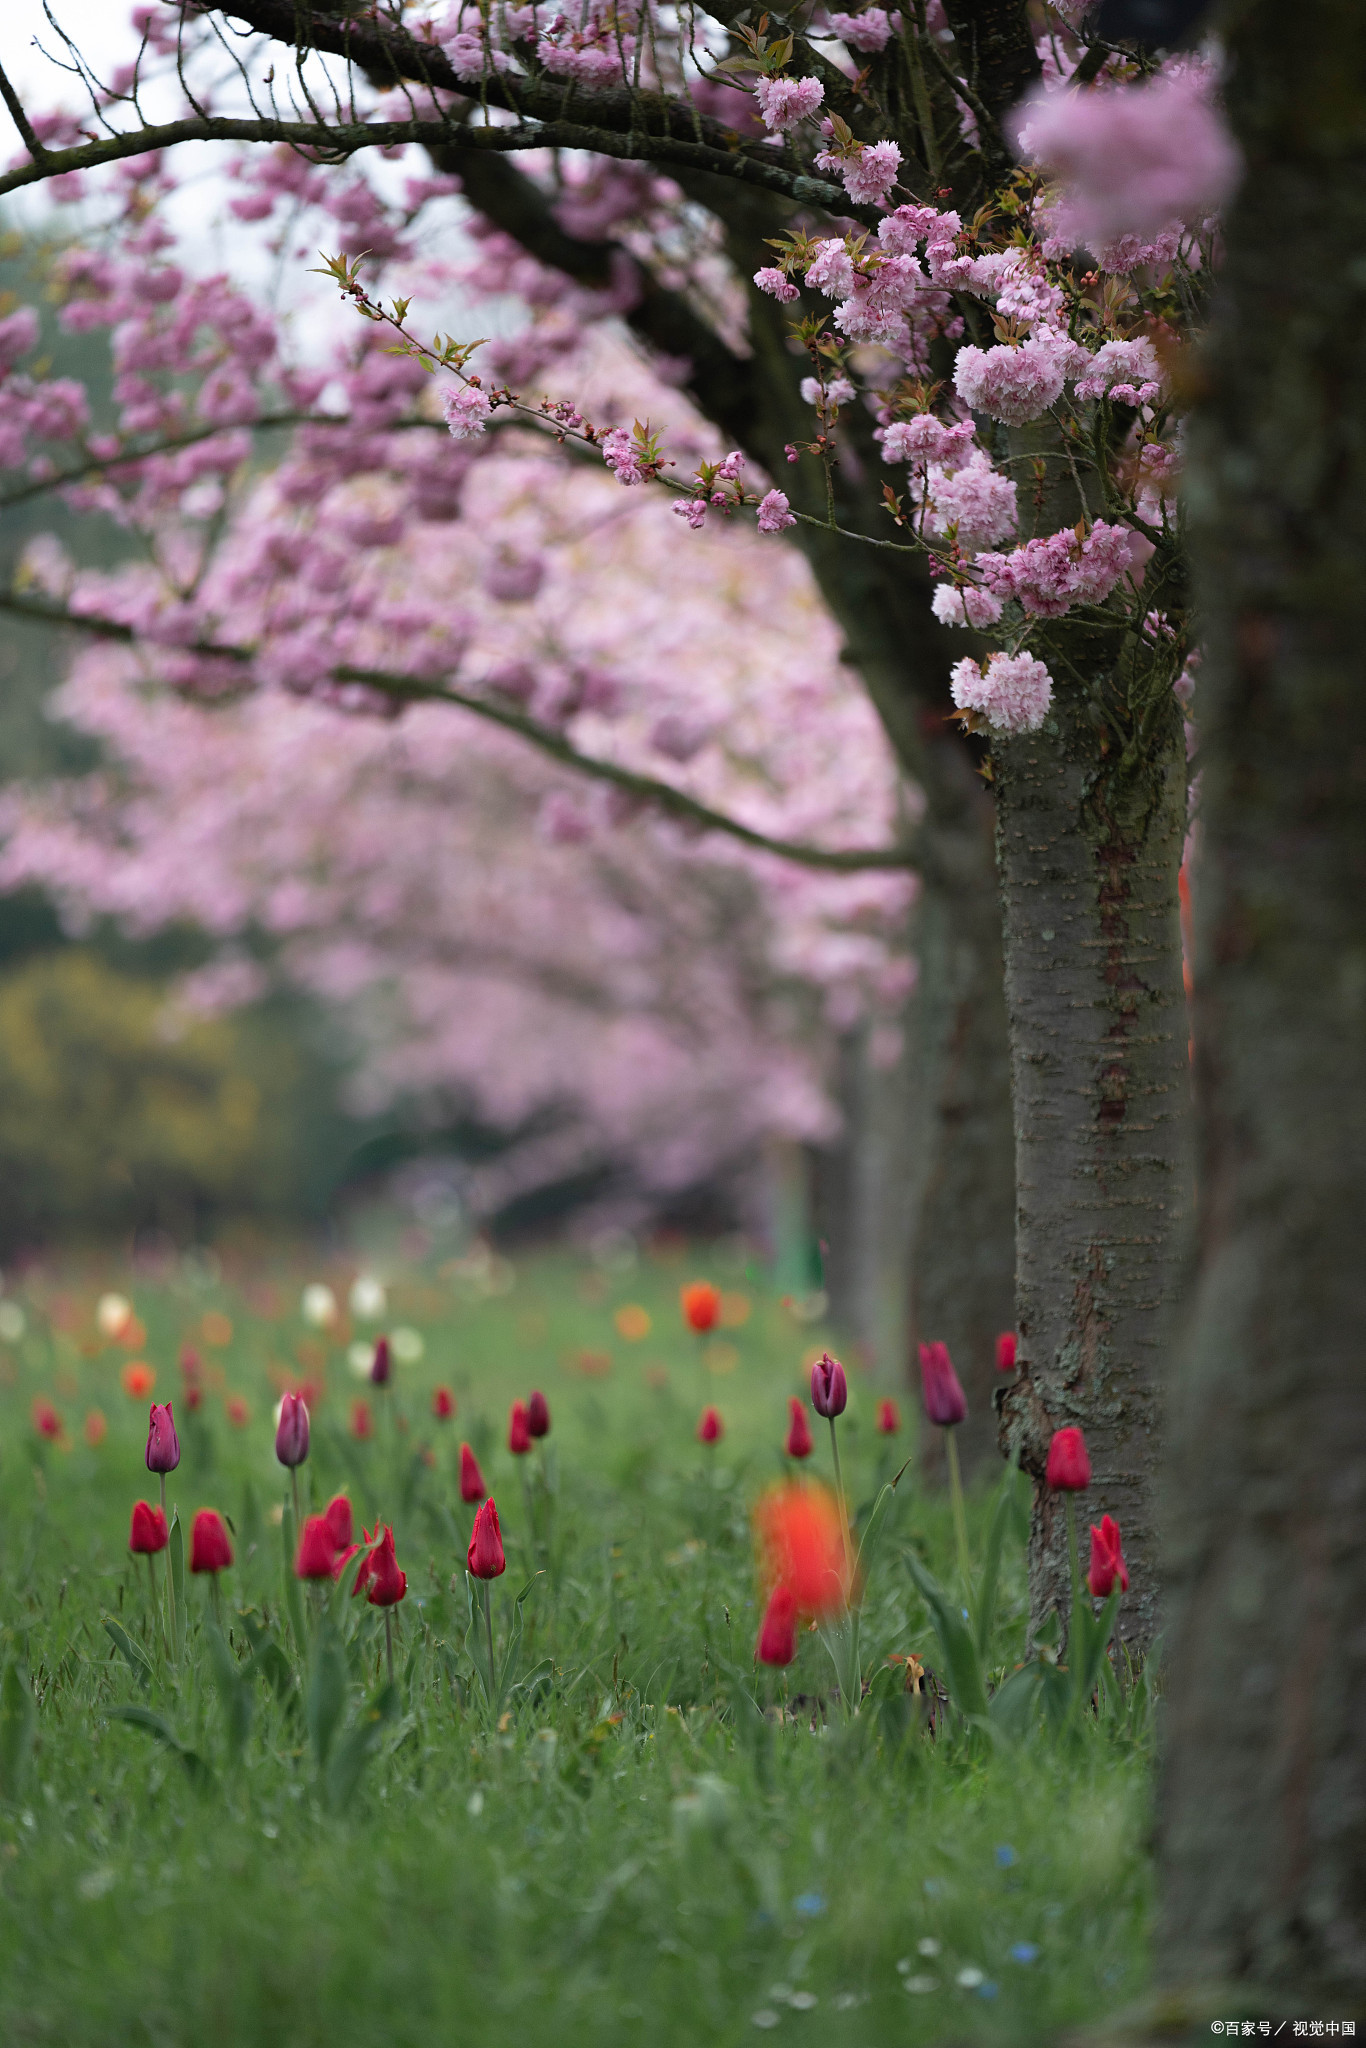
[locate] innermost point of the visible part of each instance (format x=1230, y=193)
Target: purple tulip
x=163, y=1445
x=291, y=1437
x=381, y=1367
x=945, y=1401
x=829, y=1388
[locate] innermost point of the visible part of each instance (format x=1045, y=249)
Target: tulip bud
x=1107, y=1559
x=778, y=1630
x=149, y=1532
x=1069, y=1467
x=710, y=1429
x=944, y=1399
x=472, y=1485
x=538, y=1414
x=337, y=1515
x=381, y=1366
x=163, y=1445
x=317, y=1551
x=519, y=1430
x=46, y=1420
x=1005, y=1351
x=362, y=1421
x=385, y=1585
x=443, y=1404
x=829, y=1388
x=291, y=1435
x=701, y=1305
x=798, y=1443
x=888, y=1417
x=210, y=1550
x=484, y=1558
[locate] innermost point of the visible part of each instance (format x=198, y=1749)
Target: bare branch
x=21, y=119
x=406, y=689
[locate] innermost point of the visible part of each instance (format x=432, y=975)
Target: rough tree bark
x=1263, y=1802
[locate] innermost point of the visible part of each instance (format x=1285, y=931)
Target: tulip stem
x=960, y=1520
x=156, y=1604
x=1074, y=1570
x=389, y=1642
x=294, y=1482
x=844, y=1507
x=488, y=1636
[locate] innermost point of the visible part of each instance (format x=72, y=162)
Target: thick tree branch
x=407, y=689
x=997, y=49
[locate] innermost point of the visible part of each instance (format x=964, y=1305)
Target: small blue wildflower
x=988, y=1989
x=1005, y=1856
x=934, y=1888
x=1024, y=1952
x=809, y=1903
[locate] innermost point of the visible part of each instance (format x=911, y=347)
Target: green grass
x=630, y=1854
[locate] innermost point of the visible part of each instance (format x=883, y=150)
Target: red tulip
x=800, y=1532
x=382, y=1366
x=1107, y=1559
x=362, y=1422
x=46, y=1420
x=472, y=1485
x=888, y=1417
x=944, y=1399
x=485, y=1559
x=538, y=1414
x=337, y=1515
x=385, y=1584
x=798, y=1443
x=210, y=1550
x=778, y=1630
x=519, y=1430
x=710, y=1429
x=443, y=1404
x=163, y=1445
x=149, y=1532
x=291, y=1436
x=317, y=1551
x=701, y=1305
x=829, y=1387
x=1005, y=1351
x=1069, y=1467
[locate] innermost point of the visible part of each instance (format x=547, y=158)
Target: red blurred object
x=1069, y=1465
x=95, y=1428
x=472, y=1485
x=778, y=1630
x=1107, y=1559
x=238, y=1412
x=443, y=1404
x=337, y=1515
x=945, y=1401
x=46, y=1420
x=888, y=1417
x=538, y=1414
x=802, y=1547
x=362, y=1421
x=210, y=1550
x=710, y=1429
x=701, y=1305
x=798, y=1443
x=519, y=1430
x=1005, y=1351
x=485, y=1557
x=149, y=1532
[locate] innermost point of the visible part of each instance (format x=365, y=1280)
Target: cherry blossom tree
x=951, y=334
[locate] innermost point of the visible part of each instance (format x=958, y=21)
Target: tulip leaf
x=18, y=1718
x=357, y=1746
x=132, y=1656
x=967, y=1683
x=175, y=1551
x=325, y=1700
x=1015, y=1705
x=233, y=1691
x=1003, y=1515
x=161, y=1730
x=514, y=1641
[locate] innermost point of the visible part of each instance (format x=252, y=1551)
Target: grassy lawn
x=625, y=1850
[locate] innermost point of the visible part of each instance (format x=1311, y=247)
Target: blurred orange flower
x=632, y=1321
x=701, y=1305
x=801, y=1546
x=137, y=1379
x=95, y=1428
x=736, y=1310
x=215, y=1328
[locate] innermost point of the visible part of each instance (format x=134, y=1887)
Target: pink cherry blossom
x=785, y=103
x=1011, y=384
x=1013, y=694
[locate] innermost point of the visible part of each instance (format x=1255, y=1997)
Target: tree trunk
x=1263, y=1802
x=1098, y=1035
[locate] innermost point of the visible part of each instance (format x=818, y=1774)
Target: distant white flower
x=12, y=1324
x=319, y=1305
x=113, y=1313
x=360, y=1358
x=368, y=1297
x=407, y=1345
